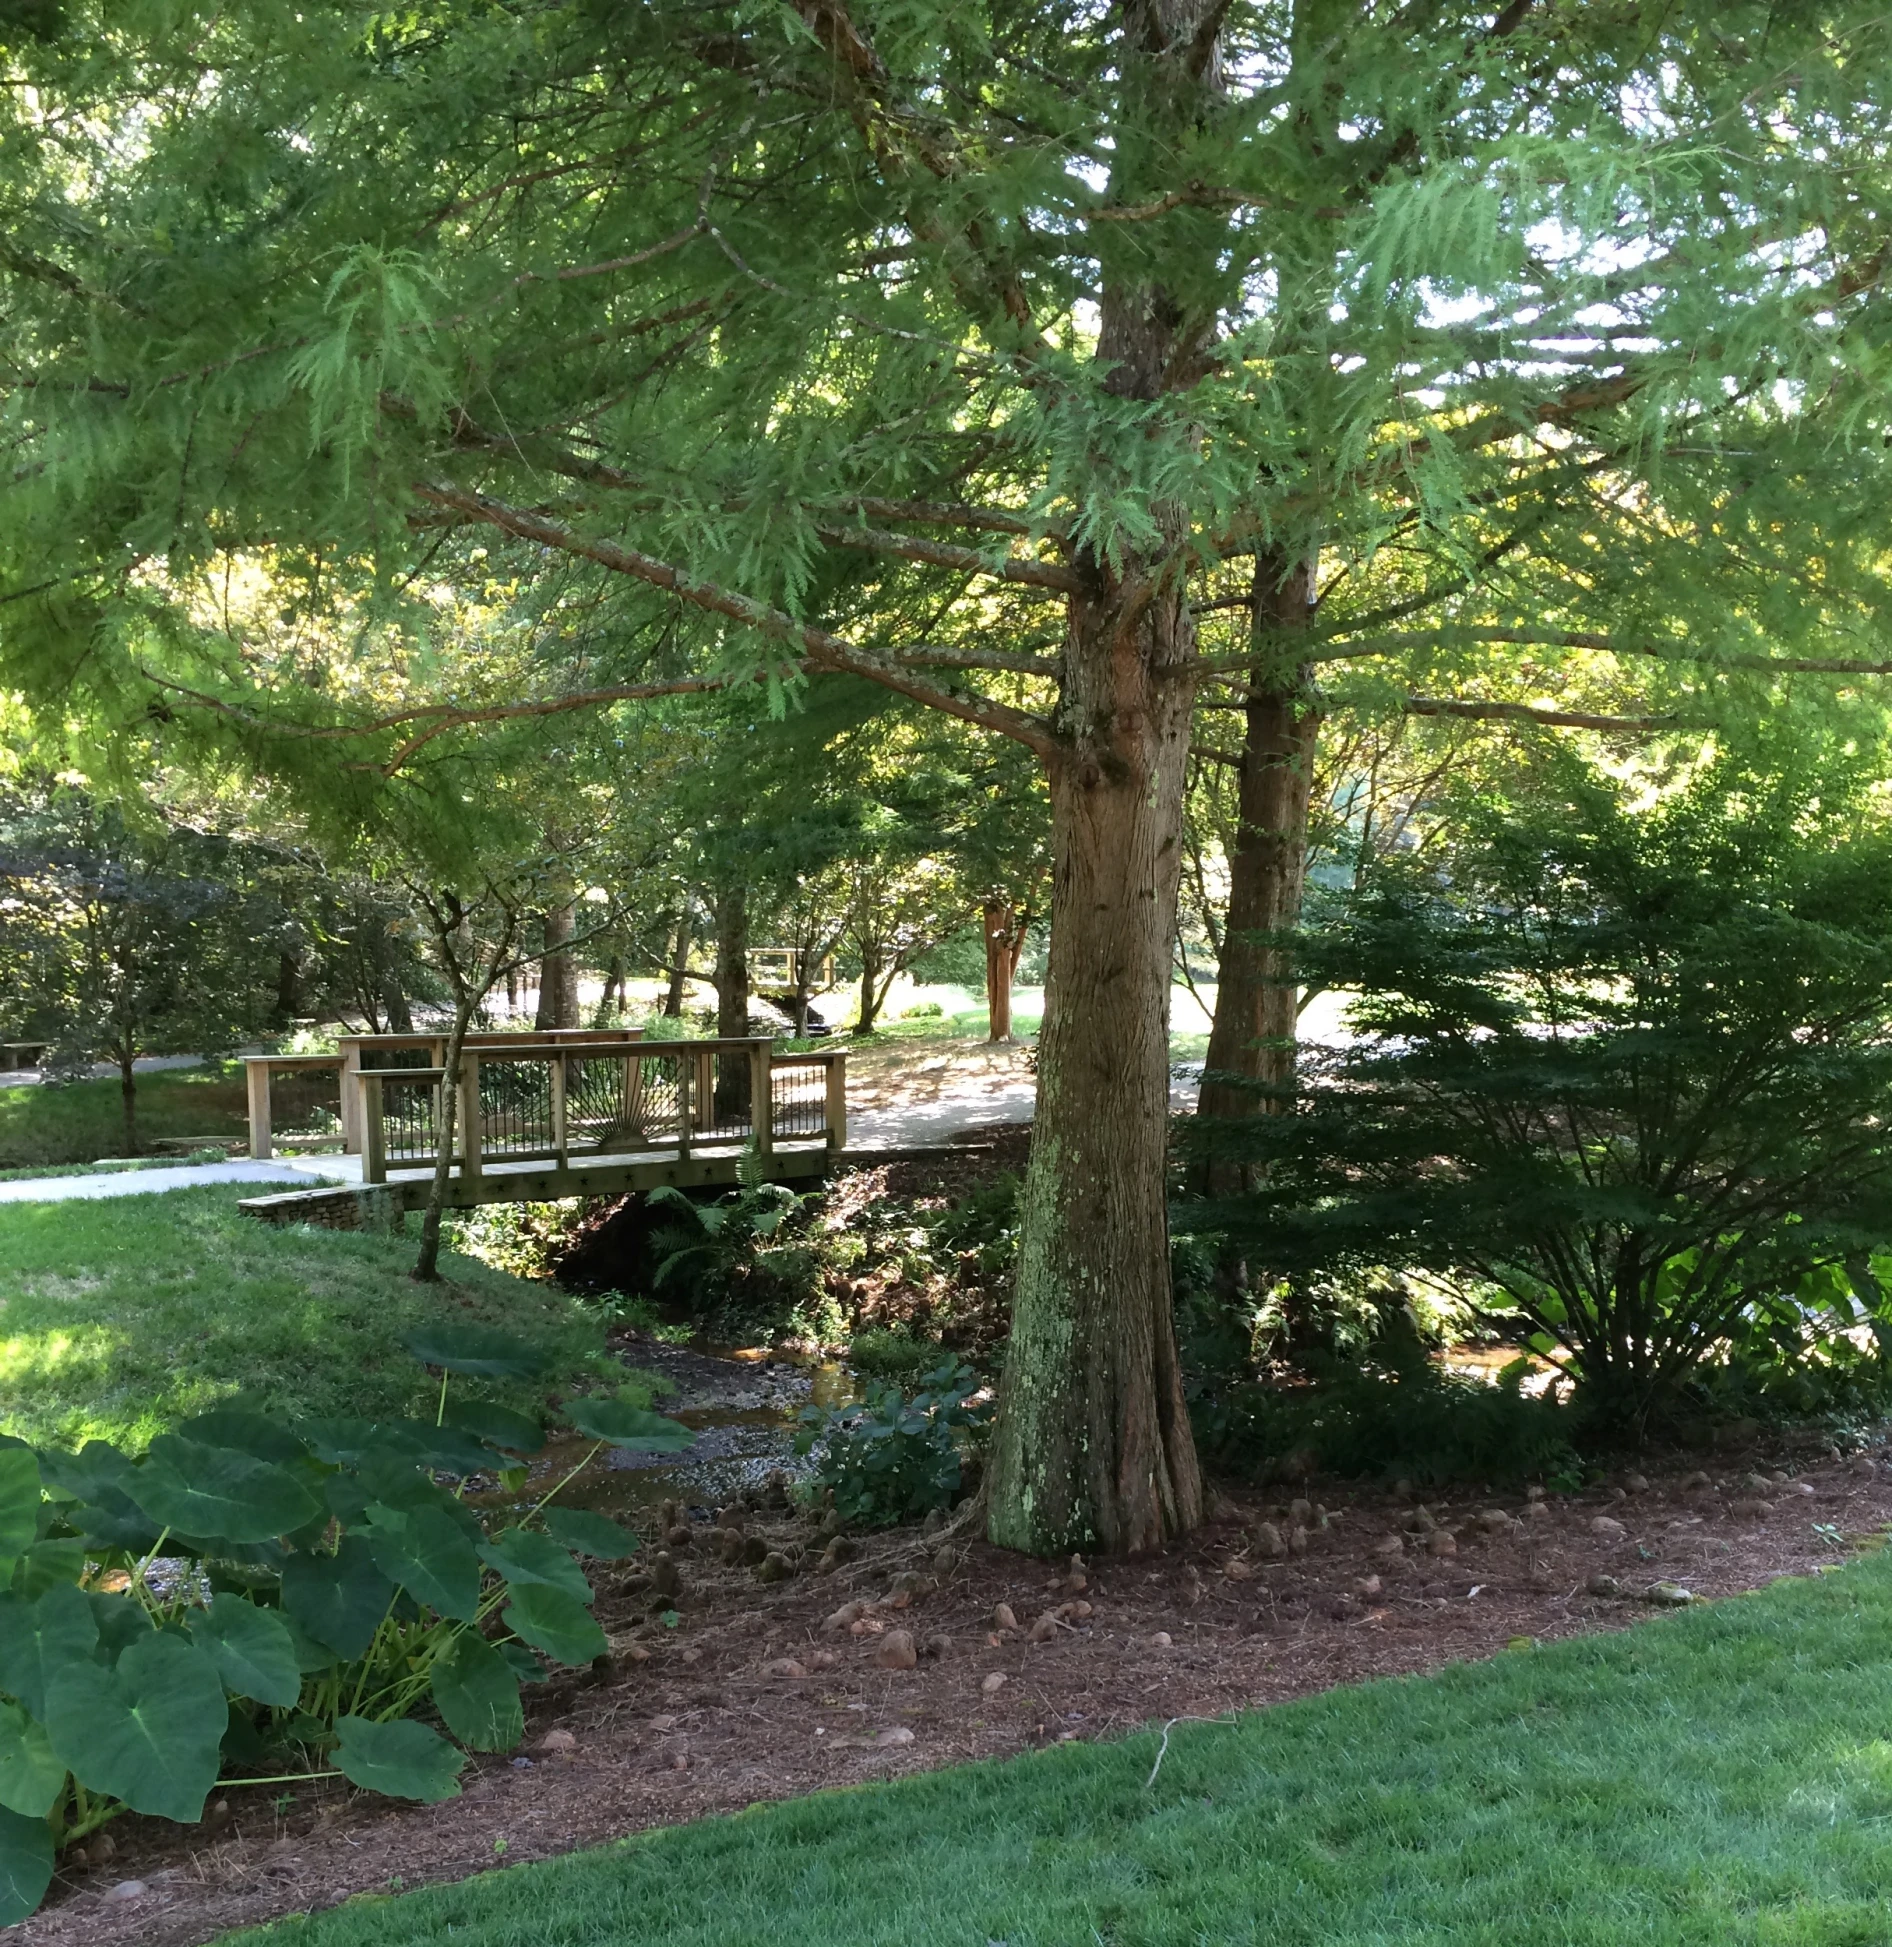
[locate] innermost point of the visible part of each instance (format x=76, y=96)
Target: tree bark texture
x=1093, y=1446
x=1251, y=1054
x=679, y=969
x=558, y=973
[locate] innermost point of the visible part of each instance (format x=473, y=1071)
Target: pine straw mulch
x=692, y=1721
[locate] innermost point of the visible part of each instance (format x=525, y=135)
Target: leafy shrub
x=894, y=1458
x=891, y=1355
x=742, y=1263
x=1626, y=1072
x=331, y=1585
x=923, y=1011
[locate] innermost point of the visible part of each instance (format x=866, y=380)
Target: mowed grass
x=121, y=1315
x=78, y=1122
x=1722, y=1776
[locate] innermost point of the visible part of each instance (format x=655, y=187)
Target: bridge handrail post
x=761, y=1095
x=469, y=1085
x=561, y=1132
x=686, y=1068
x=836, y=1111
x=372, y=1128
x=257, y=1070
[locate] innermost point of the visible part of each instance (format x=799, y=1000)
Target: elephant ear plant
x=268, y=1601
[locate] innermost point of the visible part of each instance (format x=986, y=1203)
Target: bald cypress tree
x=976, y=351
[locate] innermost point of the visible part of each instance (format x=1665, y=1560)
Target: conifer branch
x=1444, y=706
x=1605, y=645
x=822, y=649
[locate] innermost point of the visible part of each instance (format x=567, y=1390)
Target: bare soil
x=710, y=1716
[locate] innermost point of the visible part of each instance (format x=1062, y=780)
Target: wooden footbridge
x=561, y=1114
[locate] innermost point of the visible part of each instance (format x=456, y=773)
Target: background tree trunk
x=1001, y=961
x=1251, y=1038
x=732, y=996
x=128, y=1097
x=679, y=969
x=288, y=988
x=873, y=991
x=558, y=973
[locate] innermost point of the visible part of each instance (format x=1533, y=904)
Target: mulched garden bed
x=758, y=1693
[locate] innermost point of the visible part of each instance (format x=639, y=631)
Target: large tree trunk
x=558, y=975
x=732, y=998
x=1093, y=1444
x=873, y=991
x=1251, y=1056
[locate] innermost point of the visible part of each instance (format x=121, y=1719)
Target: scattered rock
x=1161, y=1640
x=1533, y=1493
x=910, y=1583
x=1668, y=1595
x=1796, y=1487
x=1045, y=1628
x=632, y=1652
x=1750, y=1509
x=937, y=1645
x=1636, y=1483
x=557, y=1743
x=1003, y=1618
x=1301, y=1513
x=849, y=1612
x=126, y=1889
x=1696, y=1482
x=1392, y=1549
x=1441, y=1542
x=865, y=1626
x=897, y=1734
x=1268, y=1541
x=822, y=1660
x=1075, y=1612
x=896, y=1651
x=784, y=1666
x=1606, y=1586
x=1238, y=1570
x=1607, y=1528
x=993, y=1684
x=1537, y=1510
x=1755, y=1483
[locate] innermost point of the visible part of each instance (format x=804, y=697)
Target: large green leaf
x=122, y=1620
x=41, y=1637
x=354, y=1443
x=498, y=1426
x=19, y=1505
x=30, y=1776
x=98, y=1477
x=338, y=1599
x=47, y=1562
x=402, y=1759
x=551, y=1621
x=248, y=1431
x=147, y=1730
x=480, y=1351
x=252, y=1648
x=219, y=1493
x=26, y=1865
x=478, y=1694
x=590, y=1534
x=521, y=1556
x=424, y=1551
x=634, y=1428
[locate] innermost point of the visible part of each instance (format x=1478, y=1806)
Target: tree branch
x=1439, y=706
x=821, y=648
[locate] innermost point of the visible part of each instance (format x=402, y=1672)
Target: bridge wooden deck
x=543, y=1116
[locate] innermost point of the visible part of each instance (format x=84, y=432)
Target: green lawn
x=79, y=1122
x=121, y=1315
x=1718, y=1777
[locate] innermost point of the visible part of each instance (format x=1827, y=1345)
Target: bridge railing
x=601, y=1102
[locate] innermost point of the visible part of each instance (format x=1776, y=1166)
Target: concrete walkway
x=191, y=1176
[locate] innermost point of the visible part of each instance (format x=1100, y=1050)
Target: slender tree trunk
x=732, y=996
x=613, y=996
x=288, y=988
x=1093, y=1445
x=512, y=990
x=558, y=972
x=679, y=969
x=998, y=970
x=872, y=992
x=128, y=1096
x=1251, y=1039
x=427, y=1264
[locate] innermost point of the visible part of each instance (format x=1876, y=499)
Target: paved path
x=142, y=1183
x=144, y=1065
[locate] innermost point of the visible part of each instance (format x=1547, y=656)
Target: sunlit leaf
x=148, y=1730
x=254, y=1653
x=634, y=1428
x=522, y=1556
x=554, y=1622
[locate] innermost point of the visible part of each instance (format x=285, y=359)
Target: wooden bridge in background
x=565, y=1113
